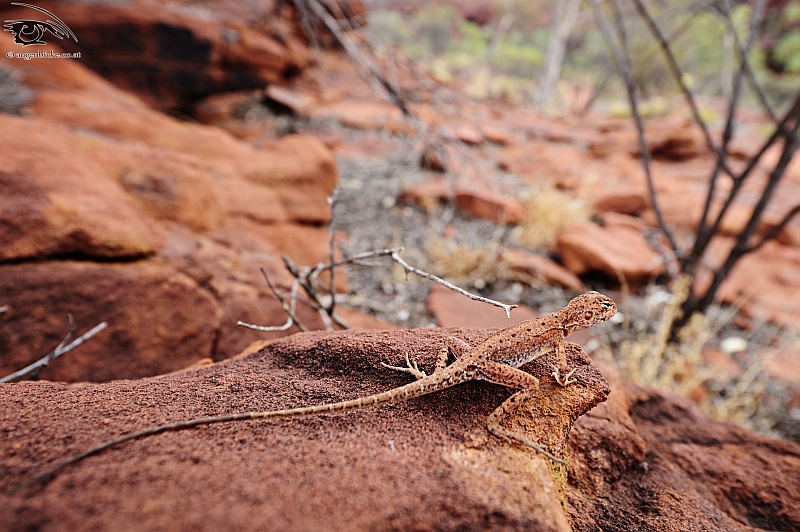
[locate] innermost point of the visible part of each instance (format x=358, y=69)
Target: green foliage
x=433, y=30
x=791, y=13
x=787, y=51
x=389, y=26
x=518, y=59
x=700, y=39
x=474, y=40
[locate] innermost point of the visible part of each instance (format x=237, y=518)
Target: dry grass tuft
x=464, y=264
x=644, y=355
x=549, y=211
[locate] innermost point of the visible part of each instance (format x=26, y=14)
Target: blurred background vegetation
x=499, y=49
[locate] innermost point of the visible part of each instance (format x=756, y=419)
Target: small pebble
x=733, y=344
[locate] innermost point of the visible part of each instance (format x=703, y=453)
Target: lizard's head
x=587, y=310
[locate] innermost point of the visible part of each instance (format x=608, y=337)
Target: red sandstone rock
x=761, y=279
x=611, y=218
x=490, y=206
x=497, y=134
x=468, y=134
x=643, y=460
x=221, y=107
x=617, y=251
x=299, y=103
x=57, y=201
x=621, y=200
x=476, y=201
x=173, y=56
x=454, y=310
x=159, y=319
x=358, y=114
x=117, y=178
x=288, y=179
x=569, y=166
x=326, y=472
x=541, y=269
x=666, y=140
x=540, y=158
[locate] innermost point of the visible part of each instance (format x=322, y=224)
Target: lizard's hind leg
x=501, y=412
x=514, y=378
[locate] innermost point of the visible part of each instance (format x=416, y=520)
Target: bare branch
x=623, y=65
x=285, y=327
x=288, y=308
x=355, y=259
x=704, y=239
x=415, y=271
x=677, y=73
x=394, y=254
x=773, y=232
x=744, y=51
x=374, y=73
x=727, y=134
x=305, y=278
x=741, y=247
x=332, y=250
x=37, y=366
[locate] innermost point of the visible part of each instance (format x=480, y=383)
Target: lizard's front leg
x=528, y=384
x=410, y=367
x=562, y=367
x=452, y=345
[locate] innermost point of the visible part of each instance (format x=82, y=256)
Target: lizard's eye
x=588, y=315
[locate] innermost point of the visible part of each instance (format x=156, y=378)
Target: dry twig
x=307, y=278
x=35, y=368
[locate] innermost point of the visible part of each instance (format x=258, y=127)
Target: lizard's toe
x=411, y=368
x=566, y=380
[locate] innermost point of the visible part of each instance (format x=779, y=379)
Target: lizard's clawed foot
x=567, y=380
x=411, y=367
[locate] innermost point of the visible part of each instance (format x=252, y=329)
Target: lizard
x=496, y=360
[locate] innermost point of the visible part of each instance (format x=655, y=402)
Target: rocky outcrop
x=649, y=461
x=424, y=464
x=172, y=57
x=470, y=197
x=642, y=460
x=620, y=252
x=159, y=318
x=113, y=211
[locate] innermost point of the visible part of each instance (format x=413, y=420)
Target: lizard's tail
x=411, y=390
